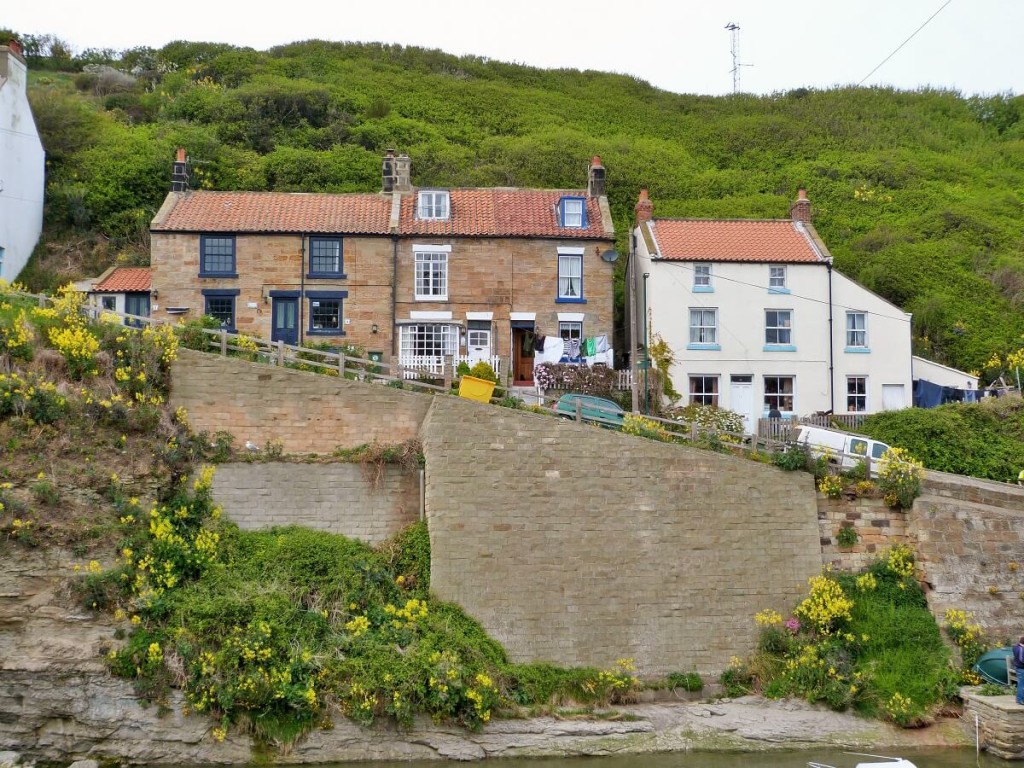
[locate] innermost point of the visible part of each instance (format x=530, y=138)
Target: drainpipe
x=631, y=271
x=394, y=295
x=647, y=352
x=831, y=343
x=302, y=284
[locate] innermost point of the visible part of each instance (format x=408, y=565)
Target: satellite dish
x=609, y=255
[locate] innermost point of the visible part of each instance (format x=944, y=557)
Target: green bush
x=792, y=458
x=688, y=681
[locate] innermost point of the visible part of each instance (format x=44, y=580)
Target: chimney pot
x=644, y=208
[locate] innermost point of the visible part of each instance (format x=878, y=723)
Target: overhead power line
x=869, y=74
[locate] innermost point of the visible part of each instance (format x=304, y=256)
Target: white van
x=846, y=447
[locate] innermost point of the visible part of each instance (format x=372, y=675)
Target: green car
x=593, y=409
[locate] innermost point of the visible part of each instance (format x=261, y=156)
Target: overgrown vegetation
x=862, y=641
x=916, y=193
x=983, y=439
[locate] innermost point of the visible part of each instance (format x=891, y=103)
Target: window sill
x=324, y=332
x=779, y=348
x=219, y=274
x=703, y=289
x=779, y=290
x=561, y=300
x=857, y=350
x=326, y=276
x=432, y=298
x=705, y=347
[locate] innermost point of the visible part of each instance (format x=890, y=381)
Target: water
x=922, y=758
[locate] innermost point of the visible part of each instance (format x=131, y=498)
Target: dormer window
x=434, y=204
x=572, y=213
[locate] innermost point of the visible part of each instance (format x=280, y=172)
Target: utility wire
x=869, y=74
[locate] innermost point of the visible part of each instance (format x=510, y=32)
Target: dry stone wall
x=577, y=545
x=336, y=498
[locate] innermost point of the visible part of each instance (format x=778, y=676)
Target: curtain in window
x=570, y=276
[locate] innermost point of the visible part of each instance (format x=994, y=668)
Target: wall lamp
x=155, y=293
x=373, y=328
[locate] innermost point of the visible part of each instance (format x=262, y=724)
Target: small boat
x=993, y=667
x=888, y=762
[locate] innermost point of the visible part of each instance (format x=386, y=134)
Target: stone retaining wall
x=336, y=498
x=308, y=413
x=1000, y=723
x=578, y=545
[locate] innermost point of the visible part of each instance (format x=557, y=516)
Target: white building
x=757, y=318
x=22, y=167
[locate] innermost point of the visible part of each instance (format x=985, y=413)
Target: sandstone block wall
x=577, y=545
x=308, y=413
x=969, y=538
x=878, y=527
x=999, y=724
x=336, y=498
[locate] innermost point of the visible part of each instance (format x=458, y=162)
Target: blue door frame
x=285, y=319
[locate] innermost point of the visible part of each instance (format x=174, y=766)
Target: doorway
x=478, y=341
x=741, y=400
x=522, y=353
x=285, y=324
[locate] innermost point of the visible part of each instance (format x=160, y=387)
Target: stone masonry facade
x=336, y=498
x=274, y=262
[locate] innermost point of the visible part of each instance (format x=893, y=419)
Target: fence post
x=223, y=342
x=579, y=410
x=280, y=353
x=693, y=431
x=341, y=363
x=448, y=366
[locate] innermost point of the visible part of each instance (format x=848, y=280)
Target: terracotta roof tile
x=780, y=240
x=499, y=212
x=494, y=212
x=124, y=279
x=202, y=211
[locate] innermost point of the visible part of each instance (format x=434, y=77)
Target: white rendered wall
x=741, y=296
x=943, y=375
x=22, y=169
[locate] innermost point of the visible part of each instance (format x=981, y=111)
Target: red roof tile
x=780, y=240
x=202, y=211
x=474, y=212
x=123, y=280
x=504, y=212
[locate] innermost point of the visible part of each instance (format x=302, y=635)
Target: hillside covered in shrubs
x=917, y=194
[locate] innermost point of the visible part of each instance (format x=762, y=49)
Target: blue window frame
x=326, y=257
x=326, y=312
x=572, y=213
x=217, y=256
x=220, y=303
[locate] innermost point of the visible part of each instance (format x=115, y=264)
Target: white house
x=22, y=167
x=757, y=318
x=124, y=290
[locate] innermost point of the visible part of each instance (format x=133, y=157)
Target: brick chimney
x=388, y=171
x=801, y=209
x=396, y=172
x=595, y=181
x=644, y=208
x=179, y=175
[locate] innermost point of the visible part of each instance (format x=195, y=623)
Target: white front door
x=478, y=345
x=741, y=400
x=893, y=397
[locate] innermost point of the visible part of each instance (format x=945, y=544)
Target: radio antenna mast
x=734, y=30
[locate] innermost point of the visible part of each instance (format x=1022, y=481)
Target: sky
x=683, y=45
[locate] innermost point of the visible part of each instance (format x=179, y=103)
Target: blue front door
x=286, y=320
x=136, y=304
